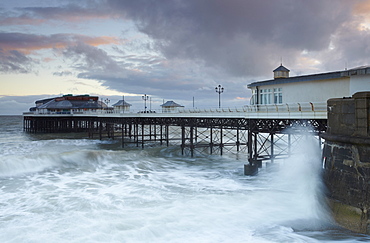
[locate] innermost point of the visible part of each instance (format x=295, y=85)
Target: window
x=278, y=96
x=253, y=99
x=268, y=96
x=265, y=96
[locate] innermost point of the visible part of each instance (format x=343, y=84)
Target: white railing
x=307, y=109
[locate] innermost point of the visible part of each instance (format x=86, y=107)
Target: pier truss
x=262, y=139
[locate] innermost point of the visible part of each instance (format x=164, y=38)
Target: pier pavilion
x=309, y=88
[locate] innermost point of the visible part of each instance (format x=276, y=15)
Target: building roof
x=71, y=104
x=121, y=103
x=171, y=104
x=43, y=101
x=304, y=78
x=281, y=68
x=363, y=70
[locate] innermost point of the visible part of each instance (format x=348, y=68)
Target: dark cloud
x=73, y=12
x=350, y=47
x=243, y=37
x=15, y=62
x=134, y=73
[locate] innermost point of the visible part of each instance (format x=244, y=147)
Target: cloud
x=242, y=37
x=62, y=73
x=15, y=62
x=30, y=42
x=69, y=13
x=90, y=58
x=149, y=74
x=15, y=47
x=21, y=20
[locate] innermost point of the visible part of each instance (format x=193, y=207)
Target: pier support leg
x=250, y=169
x=211, y=141
x=272, y=148
x=182, y=139
x=142, y=135
x=221, y=141
x=192, y=141
x=167, y=136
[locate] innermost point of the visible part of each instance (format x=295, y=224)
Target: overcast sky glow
x=171, y=49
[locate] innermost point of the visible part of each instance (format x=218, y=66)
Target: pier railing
x=293, y=110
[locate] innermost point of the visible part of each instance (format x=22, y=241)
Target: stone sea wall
x=347, y=161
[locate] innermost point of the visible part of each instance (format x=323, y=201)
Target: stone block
x=361, y=114
x=348, y=119
x=348, y=106
x=362, y=122
x=359, y=95
x=361, y=103
x=350, y=217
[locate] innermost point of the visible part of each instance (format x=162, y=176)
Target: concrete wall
x=347, y=161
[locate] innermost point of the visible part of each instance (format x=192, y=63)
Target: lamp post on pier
x=107, y=101
x=145, y=98
x=219, y=90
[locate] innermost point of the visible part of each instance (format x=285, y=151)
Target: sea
x=68, y=188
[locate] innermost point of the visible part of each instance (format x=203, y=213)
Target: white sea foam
x=69, y=193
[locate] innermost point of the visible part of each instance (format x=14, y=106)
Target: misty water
x=56, y=188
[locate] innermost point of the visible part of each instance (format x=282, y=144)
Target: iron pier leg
x=142, y=135
x=237, y=139
x=123, y=127
x=137, y=133
x=221, y=141
x=100, y=130
x=192, y=141
x=182, y=139
x=161, y=134
x=211, y=142
x=272, y=148
x=167, y=135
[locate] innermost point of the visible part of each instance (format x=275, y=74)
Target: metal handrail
x=273, y=108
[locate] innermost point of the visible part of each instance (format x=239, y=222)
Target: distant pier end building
x=309, y=88
x=68, y=104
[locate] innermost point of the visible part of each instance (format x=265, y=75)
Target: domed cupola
x=281, y=72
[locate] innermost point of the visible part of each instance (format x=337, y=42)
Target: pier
x=258, y=129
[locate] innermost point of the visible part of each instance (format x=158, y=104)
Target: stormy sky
x=171, y=49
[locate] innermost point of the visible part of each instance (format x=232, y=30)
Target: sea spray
x=300, y=176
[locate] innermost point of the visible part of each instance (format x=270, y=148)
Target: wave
x=82, y=160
